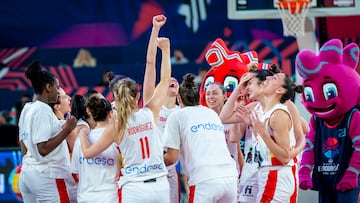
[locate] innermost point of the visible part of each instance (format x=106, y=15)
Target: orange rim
x=291, y=4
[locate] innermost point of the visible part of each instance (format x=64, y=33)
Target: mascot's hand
x=348, y=182
x=305, y=178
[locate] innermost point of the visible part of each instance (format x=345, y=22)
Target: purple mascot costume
x=331, y=159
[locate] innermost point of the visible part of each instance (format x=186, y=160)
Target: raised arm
x=159, y=96
x=228, y=113
x=150, y=70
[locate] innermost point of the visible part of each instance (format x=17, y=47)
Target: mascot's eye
x=208, y=81
x=230, y=83
x=330, y=91
x=308, y=94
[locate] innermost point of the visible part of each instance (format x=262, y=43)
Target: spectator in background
x=178, y=57
x=16, y=110
x=104, y=78
x=201, y=74
x=84, y=59
x=5, y=118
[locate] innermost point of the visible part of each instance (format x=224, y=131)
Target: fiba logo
x=248, y=189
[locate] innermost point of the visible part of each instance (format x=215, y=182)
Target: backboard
x=265, y=9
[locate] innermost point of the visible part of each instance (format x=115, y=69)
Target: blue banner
x=92, y=23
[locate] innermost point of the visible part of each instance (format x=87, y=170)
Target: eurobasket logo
x=207, y=127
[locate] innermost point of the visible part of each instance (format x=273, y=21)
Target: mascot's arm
x=307, y=160
x=350, y=179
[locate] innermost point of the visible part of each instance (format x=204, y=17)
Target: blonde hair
x=126, y=91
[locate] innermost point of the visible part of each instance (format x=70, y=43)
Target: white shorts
x=174, y=183
x=72, y=188
x=155, y=190
x=249, y=189
x=37, y=186
x=295, y=172
x=248, y=183
x=276, y=184
x=214, y=190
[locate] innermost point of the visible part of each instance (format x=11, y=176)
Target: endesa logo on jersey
x=97, y=161
x=143, y=169
x=207, y=126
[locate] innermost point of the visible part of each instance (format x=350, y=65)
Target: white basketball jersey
x=163, y=116
x=97, y=175
x=38, y=123
x=252, y=155
x=142, y=149
x=198, y=133
x=268, y=157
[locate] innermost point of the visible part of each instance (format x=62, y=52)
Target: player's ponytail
x=126, y=103
x=291, y=89
x=38, y=77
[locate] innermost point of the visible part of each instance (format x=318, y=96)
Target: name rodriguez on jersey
x=140, y=128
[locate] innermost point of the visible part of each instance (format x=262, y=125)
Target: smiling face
x=331, y=83
x=321, y=96
x=332, y=94
x=215, y=96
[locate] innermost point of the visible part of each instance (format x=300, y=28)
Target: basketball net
x=293, y=14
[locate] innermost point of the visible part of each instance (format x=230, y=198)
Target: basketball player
x=215, y=97
x=253, y=158
x=61, y=108
x=46, y=161
x=143, y=177
x=197, y=134
x=170, y=103
x=97, y=176
x=275, y=139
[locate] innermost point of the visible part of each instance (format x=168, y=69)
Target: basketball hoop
x=293, y=14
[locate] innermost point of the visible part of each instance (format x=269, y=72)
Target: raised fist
x=163, y=43
x=158, y=21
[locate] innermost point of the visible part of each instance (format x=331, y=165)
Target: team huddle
x=114, y=151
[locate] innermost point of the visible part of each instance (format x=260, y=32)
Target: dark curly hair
x=98, y=107
x=291, y=89
x=78, y=107
x=188, y=90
